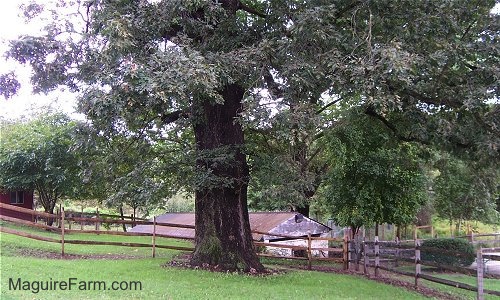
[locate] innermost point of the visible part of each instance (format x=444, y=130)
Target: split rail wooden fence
x=388, y=255
x=64, y=220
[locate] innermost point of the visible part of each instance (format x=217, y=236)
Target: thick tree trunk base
x=223, y=237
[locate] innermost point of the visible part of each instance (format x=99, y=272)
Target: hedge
x=457, y=252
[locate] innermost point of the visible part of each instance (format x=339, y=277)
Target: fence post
x=480, y=274
x=309, y=254
x=357, y=250
x=398, y=245
x=365, y=258
x=154, y=237
x=418, y=268
x=97, y=221
x=81, y=222
x=62, y=231
x=69, y=221
x=133, y=225
x=345, y=252
x=56, y=220
x=377, y=257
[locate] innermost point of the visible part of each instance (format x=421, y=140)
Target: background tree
x=126, y=170
x=375, y=178
x=287, y=160
x=466, y=190
x=37, y=155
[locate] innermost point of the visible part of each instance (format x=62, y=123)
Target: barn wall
x=28, y=203
x=298, y=242
x=298, y=226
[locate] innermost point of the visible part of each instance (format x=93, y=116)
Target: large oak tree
x=423, y=69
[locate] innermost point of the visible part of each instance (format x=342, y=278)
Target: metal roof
x=272, y=222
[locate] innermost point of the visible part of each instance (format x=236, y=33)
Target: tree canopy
x=465, y=190
x=37, y=155
x=374, y=177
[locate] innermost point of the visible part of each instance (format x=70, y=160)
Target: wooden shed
x=281, y=223
x=17, y=198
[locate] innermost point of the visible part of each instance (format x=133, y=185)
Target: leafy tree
x=113, y=173
x=375, y=179
x=174, y=66
x=37, y=155
x=466, y=190
x=287, y=161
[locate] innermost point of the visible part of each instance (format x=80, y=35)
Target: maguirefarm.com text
x=35, y=286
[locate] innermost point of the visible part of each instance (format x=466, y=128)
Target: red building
x=18, y=198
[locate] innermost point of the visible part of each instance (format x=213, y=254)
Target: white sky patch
x=25, y=104
x=496, y=9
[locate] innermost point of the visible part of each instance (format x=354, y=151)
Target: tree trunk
x=48, y=205
x=223, y=237
x=123, y=219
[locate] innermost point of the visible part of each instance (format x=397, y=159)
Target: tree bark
x=48, y=202
x=223, y=237
x=123, y=219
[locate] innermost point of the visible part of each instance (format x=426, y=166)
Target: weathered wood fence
x=378, y=255
x=64, y=220
x=389, y=255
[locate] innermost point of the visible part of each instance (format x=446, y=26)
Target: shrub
x=457, y=252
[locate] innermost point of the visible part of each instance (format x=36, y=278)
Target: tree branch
x=273, y=87
x=251, y=10
x=328, y=105
x=173, y=116
x=423, y=98
x=352, y=5
x=371, y=112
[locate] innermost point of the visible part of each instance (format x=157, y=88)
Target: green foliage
x=461, y=253
x=181, y=202
x=466, y=190
x=128, y=170
x=375, y=178
x=8, y=85
x=38, y=155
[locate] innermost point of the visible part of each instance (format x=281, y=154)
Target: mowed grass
x=12, y=243
x=161, y=282
x=489, y=283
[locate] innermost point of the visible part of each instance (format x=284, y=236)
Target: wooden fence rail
x=64, y=219
x=379, y=257
x=28, y=235
x=373, y=259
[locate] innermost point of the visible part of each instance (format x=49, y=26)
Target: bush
x=457, y=252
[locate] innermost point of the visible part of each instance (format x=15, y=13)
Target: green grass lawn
x=491, y=284
x=160, y=282
x=12, y=243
